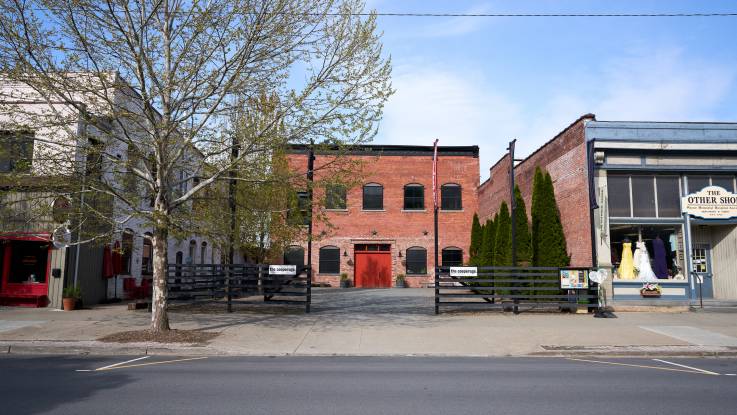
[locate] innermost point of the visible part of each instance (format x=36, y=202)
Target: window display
x=658, y=252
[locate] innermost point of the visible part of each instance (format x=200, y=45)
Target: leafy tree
x=477, y=235
x=163, y=84
x=523, y=238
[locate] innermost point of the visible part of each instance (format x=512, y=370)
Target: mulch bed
x=171, y=336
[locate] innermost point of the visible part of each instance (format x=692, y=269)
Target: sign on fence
x=464, y=272
x=574, y=279
x=282, y=269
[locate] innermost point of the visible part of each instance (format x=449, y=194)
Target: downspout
x=593, y=205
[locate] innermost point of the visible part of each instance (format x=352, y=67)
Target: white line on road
x=152, y=363
x=640, y=366
x=687, y=367
x=730, y=374
x=122, y=363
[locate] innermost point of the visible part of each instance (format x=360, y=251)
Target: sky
x=485, y=81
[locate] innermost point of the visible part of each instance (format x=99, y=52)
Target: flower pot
x=650, y=294
x=69, y=303
x=400, y=284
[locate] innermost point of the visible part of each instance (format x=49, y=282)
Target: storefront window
x=619, y=196
x=647, y=252
x=643, y=196
x=727, y=182
x=669, y=196
x=696, y=183
x=28, y=262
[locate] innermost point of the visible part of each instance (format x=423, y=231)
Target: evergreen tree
x=477, y=235
x=503, y=238
x=486, y=253
x=549, y=241
x=522, y=231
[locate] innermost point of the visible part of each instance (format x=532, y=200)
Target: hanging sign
x=711, y=202
x=464, y=272
x=574, y=279
x=282, y=269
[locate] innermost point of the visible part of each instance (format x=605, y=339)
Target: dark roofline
x=387, y=150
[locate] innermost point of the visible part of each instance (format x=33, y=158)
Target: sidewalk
x=375, y=323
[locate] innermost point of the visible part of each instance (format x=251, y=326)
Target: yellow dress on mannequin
x=627, y=266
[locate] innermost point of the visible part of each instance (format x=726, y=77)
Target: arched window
x=329, y=260
x=192, y=251
x=294, y=255
x=147, y=255
x=203, y=252
x=416, y=260
x=373, y=197
x=335, y=196
x=450, y=197
x=452, y=257
x=126, y=251
x=414, y=197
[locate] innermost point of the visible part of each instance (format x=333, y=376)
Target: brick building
x=564, y=157
x=383, y=226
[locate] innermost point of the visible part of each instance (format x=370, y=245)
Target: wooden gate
x=373, y=266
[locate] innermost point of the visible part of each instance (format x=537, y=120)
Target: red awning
x=27, y=236
x=117, y=259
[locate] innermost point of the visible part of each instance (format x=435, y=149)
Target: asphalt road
x=364, y=385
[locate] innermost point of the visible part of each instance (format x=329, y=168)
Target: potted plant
x=344, y=281
x=400, y=282
x=70, y=296
x=650, y=289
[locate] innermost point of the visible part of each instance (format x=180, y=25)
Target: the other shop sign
x=711, y=202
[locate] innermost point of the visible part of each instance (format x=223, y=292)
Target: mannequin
x=659, y=258
x=627, y=266
x=643, y=263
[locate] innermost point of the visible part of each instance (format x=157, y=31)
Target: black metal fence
x=236, y=284
x=509, y=288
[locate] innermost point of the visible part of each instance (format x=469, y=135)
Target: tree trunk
x=159, y=316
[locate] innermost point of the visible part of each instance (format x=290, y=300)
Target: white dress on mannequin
x=642, y=262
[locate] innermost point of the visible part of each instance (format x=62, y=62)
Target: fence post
x=437, y=290
x=228, y=270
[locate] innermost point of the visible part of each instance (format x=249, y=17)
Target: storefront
x=666, y=222
x=26, y=271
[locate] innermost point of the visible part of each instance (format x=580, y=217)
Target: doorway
x=714, y=260
x=25, y=268
x=373, y=266
x=701, y=260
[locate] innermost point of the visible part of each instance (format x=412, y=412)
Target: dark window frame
x=336, y=197
x=329, y=265
x=448, y=201
x=456, y=262
x=16, y=151
x=414, y=202
x=292, y=249
x=414, y=265
x=367, y=203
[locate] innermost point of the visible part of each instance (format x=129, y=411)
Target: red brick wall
x=401, y=229
x=564, y=157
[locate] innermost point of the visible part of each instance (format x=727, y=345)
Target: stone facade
x=564, y=157
x=393, y=167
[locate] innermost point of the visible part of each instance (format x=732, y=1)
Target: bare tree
x=161, y=82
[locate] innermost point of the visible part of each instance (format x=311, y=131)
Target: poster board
x=574, y=278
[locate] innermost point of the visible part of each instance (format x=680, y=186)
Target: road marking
x=640, y=366
x=152, y=363
x=122, y=363
x=708, y=372
x=730, y=374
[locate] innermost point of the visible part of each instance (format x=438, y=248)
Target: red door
x=373, y=267
x=25, y=267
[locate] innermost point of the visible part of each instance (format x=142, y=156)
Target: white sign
x=711, y=202
x=282, y=269
x=464, y=272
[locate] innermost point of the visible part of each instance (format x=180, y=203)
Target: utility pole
x=310, y=180
x=512, y=204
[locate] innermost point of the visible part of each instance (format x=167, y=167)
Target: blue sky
x=486, y=80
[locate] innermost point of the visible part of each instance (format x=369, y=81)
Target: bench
x=24, y=300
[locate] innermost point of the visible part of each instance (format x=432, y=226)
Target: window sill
x=417, y=275
x=450, y=210
x=373, y=210
x=336, y=210
x=414, y=210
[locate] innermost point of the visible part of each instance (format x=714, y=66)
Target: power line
x=731, y=14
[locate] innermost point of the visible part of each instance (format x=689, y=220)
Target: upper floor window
x=16, y=151
x=335, y=197
x=203, y=252
x=450, y=197
x=373, y=196
x=644, y=195
x=414, y=197
x=300, y=214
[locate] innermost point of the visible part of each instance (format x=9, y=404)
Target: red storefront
x=25, y=269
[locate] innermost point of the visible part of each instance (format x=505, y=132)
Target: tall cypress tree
x=486, y=254
x=523, y=238
x=548, y=240
x=503, y=238
x=477, y=235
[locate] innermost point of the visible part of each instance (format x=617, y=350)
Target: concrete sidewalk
x=375, y=323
